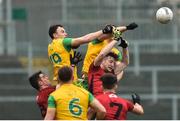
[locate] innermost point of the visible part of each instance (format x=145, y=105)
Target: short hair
x=112, y=54
x=52, y=29
x=109, y=80
x=34, y=80
x=65, y=74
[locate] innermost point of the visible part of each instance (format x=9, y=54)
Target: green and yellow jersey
x=71, y=102
x=94, y=48
x=59, y=51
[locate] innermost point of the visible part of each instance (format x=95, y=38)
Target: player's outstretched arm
x=89, y=37
x=125, y=58
x=120, y=66
x=130, y=26
x=104, y=52
x=122, y=29
x=50, y=114
x=107, y=48
x=138, y=109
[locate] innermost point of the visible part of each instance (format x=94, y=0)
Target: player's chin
x=109, y=70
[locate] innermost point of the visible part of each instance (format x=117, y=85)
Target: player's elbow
x=126, y=63
x=138, y=109
x=140, y=112
x=101, y=114
x=103, y=111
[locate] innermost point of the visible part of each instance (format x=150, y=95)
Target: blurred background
x=154, y=69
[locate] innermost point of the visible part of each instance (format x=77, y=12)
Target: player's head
x=109, y=61
x=39, y=80
x=109, y=81
x=57, y=31
x=65, y=74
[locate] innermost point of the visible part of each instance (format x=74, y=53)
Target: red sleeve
x=42, y=99
x=130, y=105
x=92, y=70
x=42, y=103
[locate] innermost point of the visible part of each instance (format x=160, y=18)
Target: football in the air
x=164, y=15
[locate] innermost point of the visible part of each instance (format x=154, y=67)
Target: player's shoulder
x=55, y=92
x=82, y=91
x=81, y=88
x=67, y=39
x=101, y=96
x=51, y=88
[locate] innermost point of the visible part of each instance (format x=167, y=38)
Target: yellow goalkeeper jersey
x=71, y=102
x=94, y=48
x=59, y=51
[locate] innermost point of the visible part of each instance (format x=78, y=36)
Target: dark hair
x=109, y=80
x=52, y=29
x=34, y=80
x=65, y=74
x=112, y=54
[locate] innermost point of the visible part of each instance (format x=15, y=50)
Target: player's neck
x=109, y=90
x=43, y=87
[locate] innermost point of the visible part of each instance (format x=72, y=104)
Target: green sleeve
x=91, y=97
x=51, y=102
x=67, y=43
x=96, y=41
x=119, y=56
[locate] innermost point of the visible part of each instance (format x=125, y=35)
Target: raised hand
x=131, y=26
x=116, y=34
x=123, y=43
x=76, y=58
x=108, y=29
x=136, y=98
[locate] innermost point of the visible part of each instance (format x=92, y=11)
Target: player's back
x=71, y=102
x=58, y=54
x=115, y=106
